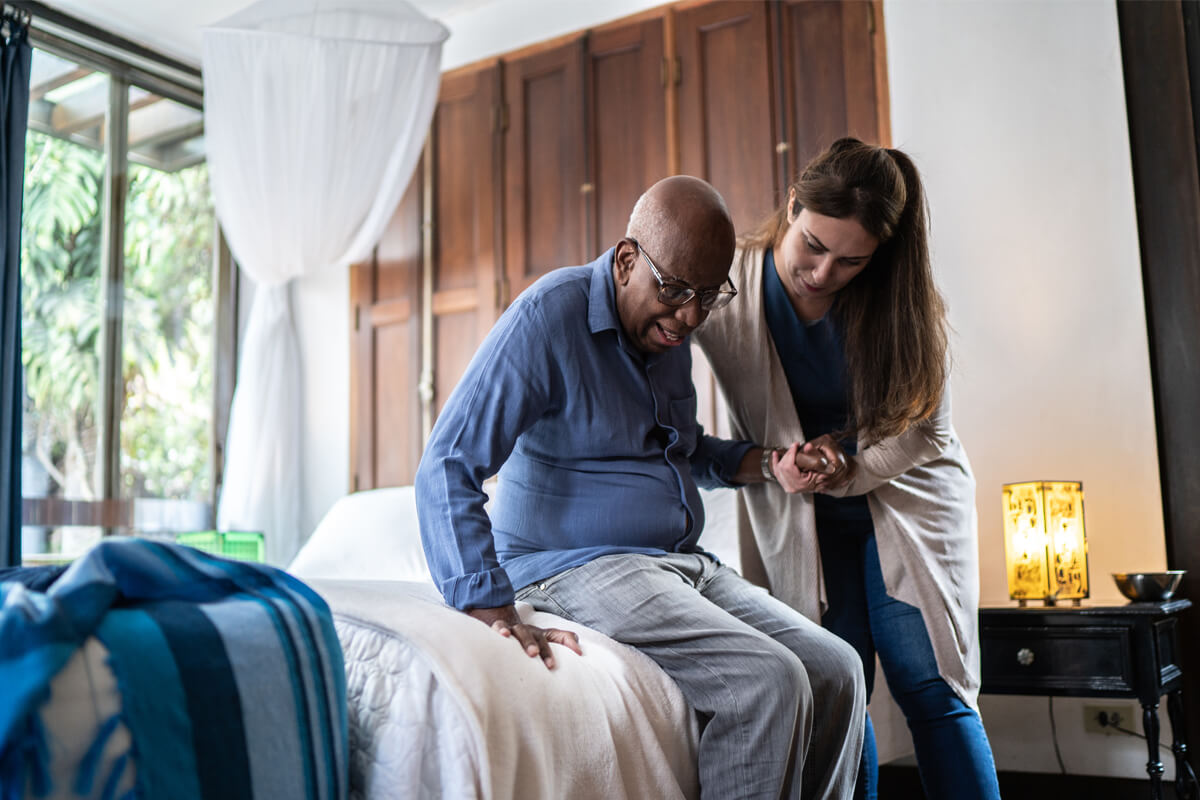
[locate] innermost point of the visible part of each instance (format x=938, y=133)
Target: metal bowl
x=1149, y=587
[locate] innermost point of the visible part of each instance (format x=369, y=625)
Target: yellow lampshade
x=1044, y=541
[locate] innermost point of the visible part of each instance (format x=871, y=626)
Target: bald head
x=682, y=228
x=686, y=217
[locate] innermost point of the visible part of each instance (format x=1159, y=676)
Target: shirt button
x=542, y=586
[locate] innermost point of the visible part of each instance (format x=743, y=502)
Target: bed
x=440, y=706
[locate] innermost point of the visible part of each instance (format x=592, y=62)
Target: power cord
x=1106, y=722
x=1054, y=737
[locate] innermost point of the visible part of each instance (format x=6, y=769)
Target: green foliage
x=61, y=319
x=168, y=339
x=167, y=307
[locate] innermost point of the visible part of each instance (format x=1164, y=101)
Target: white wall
x=1015, y=112
x=321, y=304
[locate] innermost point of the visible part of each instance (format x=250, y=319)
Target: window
x=120, y=299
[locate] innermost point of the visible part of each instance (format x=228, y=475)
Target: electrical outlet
x=1101, y=718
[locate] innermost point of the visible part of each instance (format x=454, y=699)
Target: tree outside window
x=166, y=307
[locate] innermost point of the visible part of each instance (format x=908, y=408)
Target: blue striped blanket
x=230, y=674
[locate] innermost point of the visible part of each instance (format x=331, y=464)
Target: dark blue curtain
x=14, y=115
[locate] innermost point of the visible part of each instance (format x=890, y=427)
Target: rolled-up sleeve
x=715, y=462
x=508, y=385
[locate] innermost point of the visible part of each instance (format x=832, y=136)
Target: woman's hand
x=838, y=467
x=797, y=470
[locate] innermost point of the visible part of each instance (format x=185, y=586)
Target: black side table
x=1094, y=651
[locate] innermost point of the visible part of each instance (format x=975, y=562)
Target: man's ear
x=624, y=260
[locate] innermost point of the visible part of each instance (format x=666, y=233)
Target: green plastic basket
x=241, y=545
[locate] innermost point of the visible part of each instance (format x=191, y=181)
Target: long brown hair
x=893, y=318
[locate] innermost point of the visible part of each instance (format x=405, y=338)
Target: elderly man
x=581, y=397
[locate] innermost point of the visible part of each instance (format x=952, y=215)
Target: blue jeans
x=781, y=701
x=953, y=754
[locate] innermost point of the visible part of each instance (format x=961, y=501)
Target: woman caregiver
x=839, y=338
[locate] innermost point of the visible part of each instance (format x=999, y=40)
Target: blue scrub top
x=814, y=362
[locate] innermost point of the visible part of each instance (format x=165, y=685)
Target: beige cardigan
x=919, y=488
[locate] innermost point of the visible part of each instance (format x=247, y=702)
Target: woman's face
x=819, y=255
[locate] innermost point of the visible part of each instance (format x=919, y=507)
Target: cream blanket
x=442, y=706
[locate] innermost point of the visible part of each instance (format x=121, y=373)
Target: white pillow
x=369, y=535
x=373, y=535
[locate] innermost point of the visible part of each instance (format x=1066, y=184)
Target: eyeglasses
x=678, y=294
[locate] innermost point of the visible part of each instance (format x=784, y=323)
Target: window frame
x=129, y=64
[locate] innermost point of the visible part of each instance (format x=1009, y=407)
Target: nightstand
x=1093, y=651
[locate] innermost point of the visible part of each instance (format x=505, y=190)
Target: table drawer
x=1019, y=660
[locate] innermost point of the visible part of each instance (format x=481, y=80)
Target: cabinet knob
x=1024, y=656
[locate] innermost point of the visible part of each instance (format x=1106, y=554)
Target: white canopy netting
x=315, y=115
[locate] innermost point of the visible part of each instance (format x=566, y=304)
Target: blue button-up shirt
x=597, y=447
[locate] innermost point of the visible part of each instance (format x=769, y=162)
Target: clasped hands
x=818, y=465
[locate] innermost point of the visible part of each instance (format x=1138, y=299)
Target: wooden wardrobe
x=535, y=159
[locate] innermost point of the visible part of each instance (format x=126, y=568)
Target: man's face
x=650, y=324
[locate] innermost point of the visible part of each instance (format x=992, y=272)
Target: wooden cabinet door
x=544, y=165
x=466, y=180
x=385, y=362
x=726, y=125
x=726, y=111
x=626, y=125
x=829, y=77
x=536, y=162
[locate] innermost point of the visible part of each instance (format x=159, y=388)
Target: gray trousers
x=781, y=701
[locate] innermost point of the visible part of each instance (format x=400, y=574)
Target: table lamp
x=1044, y=542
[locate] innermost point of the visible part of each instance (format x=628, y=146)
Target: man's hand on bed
x=536, y=641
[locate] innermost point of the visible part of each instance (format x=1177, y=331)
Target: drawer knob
x=1024, y=656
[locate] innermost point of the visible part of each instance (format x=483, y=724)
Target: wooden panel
x=627, y=134
x=464, y=163
x=394, y=325
x=816, y=77
x=1160, y=51
x=385, y=436
x=390, y=312
x=544, y=165
x=858, y=64
x=725, y=126
x=725, y=107
x=458, y=336
x=883, y=100
x=828, y=77
x=467, y=170
x=362, y=382
x=47, y=511
x=397, y=405
x=454, y=301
